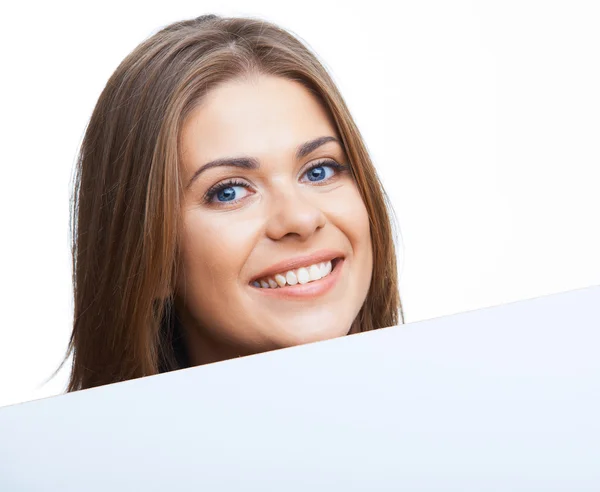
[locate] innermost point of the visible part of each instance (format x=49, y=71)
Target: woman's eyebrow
x=307, y=147
x=250, y=163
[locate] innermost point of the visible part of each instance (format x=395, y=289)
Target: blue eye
x=230, y=191
x=323, y=171
x=228, y=194
x=317, y=173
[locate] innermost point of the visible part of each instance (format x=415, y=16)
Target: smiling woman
x=225, y=205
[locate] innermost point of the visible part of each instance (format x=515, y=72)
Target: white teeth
x=314, y=272
x=291, y=278
x=303, y=276
x=280, y=279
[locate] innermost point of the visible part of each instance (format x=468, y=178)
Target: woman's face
x=269, y=201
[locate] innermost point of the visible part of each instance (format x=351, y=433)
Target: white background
x=483, y=119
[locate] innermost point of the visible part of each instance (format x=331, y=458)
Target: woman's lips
x=297, y=262
x=312, y=289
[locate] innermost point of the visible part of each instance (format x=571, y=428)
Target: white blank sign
x=504, y=398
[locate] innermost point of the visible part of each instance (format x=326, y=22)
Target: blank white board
x=504, y=398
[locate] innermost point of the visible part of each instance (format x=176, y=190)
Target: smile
x=310, y=281
x=303, y=275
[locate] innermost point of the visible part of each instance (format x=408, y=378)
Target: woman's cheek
x=349, y=212
x=217, y=246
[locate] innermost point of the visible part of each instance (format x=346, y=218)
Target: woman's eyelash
x=209, y=195
x=328, y=162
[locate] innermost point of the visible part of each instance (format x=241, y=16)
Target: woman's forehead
x=261, y=117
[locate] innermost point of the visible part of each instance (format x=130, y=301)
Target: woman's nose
x=293, y=213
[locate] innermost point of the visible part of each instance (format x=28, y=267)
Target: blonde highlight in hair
x=126, y=217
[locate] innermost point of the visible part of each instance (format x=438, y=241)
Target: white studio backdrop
x=482, y=119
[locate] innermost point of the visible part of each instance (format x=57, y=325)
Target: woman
x=225, y=205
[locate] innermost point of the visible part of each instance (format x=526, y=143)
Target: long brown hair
x=127, y=191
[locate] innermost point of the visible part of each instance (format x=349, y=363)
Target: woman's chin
x=310, y=333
